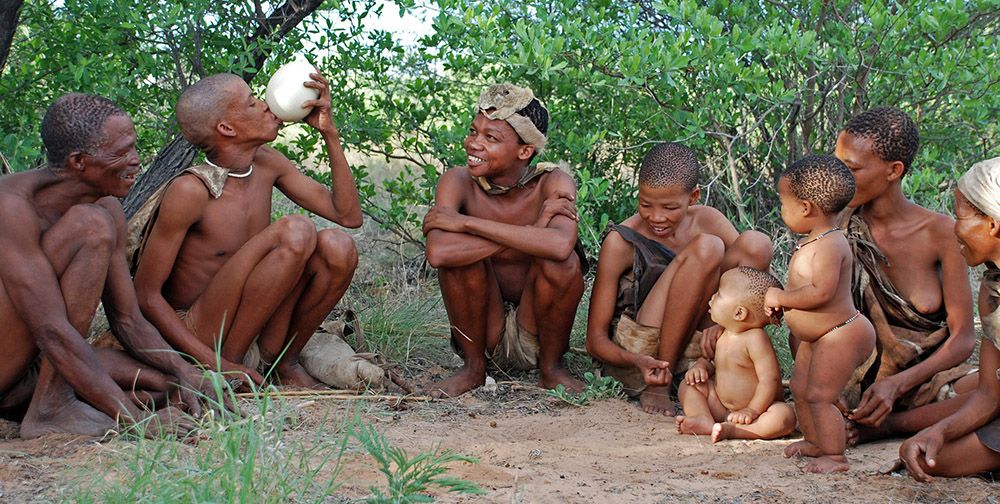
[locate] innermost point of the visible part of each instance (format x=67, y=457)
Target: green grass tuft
x=408, y=479
x=596, y=389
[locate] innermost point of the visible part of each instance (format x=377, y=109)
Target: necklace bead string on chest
x=817, y=238
x=230, y=173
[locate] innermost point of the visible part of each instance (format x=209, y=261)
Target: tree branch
x=10, y=13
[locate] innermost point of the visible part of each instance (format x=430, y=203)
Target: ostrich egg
x=285, y=93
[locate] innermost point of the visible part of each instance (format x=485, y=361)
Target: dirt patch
x=532, y=448
x=611, y=451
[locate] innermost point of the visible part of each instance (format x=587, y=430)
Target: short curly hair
x=893, y=134
x=823, y=180
x=753, y=286
x=537, y=114
x=73, y=123
x=669, y=164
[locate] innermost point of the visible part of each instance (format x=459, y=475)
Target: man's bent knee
x=337, y=250
x=472, y=274
x=297, y=233
x=563, y=272
x=93, y=225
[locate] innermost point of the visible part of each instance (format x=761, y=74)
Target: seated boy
x=834, y=337
x=738, y=394
x=655, y=274
x=502, y=234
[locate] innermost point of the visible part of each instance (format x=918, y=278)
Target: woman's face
x=975, y=232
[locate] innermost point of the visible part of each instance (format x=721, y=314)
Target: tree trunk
x=10, y=11
x=176, y=156
x=179, y=153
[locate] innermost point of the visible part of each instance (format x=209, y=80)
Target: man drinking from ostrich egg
x=213, y=272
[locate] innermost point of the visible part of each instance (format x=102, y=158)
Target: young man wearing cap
x=503, y=237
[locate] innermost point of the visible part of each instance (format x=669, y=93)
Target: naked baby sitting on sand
x=738, y=394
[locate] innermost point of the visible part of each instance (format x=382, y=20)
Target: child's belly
x=811, y=325
x=735, y=389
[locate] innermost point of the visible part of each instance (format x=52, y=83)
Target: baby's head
x=740, y=299
x=668, y=184
x=814, y=186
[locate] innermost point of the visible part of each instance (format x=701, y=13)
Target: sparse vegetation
x=408, y=479
x=596, y=388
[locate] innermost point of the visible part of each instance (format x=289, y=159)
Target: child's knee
x=798, y=385
x=817, y=393
x=755, y=250
x=784, y=416
x=707, y=249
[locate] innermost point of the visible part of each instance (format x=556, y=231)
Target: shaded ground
x=532, y=448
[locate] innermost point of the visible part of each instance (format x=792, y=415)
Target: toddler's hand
x=696, y=375
x=743, y=416
x=771, y=303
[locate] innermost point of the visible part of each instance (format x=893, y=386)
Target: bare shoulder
x=758, y=336
x=455, y=174
x=267, y=155
x=185, y=198
x=186, y=188
x=454, y=185
x=267, y=159
x=941, y=228
x=758, y=343
x=558, y=180
x=615, y=244
x=706, y=219
x=14, y=205
x=834, y=245
x=616, y=254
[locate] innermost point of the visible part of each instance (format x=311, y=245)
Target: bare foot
x=827, y=464
x=802, y=449
x=694, y=425
x=720, y=431
x=296, y=376
x=852, y=434
x=859, y=434
x=462, y=381
x=559, y=376
x=73, y=417
x=656, y=401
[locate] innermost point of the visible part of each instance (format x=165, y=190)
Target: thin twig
x=346, y=395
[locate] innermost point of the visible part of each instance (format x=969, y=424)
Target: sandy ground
x=532, y=448
x=610, y=451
